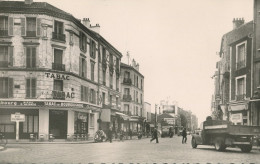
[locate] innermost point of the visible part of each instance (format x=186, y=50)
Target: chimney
x=95, y=28
x=133, y=63
x=86, y=22
x=28, y=2
x=237, y=22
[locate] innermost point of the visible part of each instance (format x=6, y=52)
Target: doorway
x=58, y=120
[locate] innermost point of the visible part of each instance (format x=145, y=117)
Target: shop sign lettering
x=62, y=95
x=57, y=76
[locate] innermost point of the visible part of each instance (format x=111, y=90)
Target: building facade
x=132, y=92
x=50, y=64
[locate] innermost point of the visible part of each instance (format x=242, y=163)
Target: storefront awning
x=238, y=107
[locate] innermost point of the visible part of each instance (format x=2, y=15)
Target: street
x=169, y=150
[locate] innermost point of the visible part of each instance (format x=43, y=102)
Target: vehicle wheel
x=219, y=144
x=246, y=148
x=193, y=143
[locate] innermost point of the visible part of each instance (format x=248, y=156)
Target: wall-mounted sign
x=236, y=118
x=57, y=76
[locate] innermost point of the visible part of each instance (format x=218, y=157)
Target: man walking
x=184, y=136
x=155, y=135
x=110, y=134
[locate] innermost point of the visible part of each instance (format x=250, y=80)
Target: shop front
x=239, y=114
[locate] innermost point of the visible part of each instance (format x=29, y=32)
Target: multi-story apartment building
x=132, y=90
x=50, y=66
x=233, y=75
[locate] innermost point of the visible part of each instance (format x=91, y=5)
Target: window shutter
x=38, y=28
x=23, y=26
x=10, y=55
x=80, y=66
x=11, y=86
x=28, y=85
x=28, y=57
x=10, y=26
x=33, y=81
x=33, y=57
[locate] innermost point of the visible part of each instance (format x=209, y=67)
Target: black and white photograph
x=129, y=81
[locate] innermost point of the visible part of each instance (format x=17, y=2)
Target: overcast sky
x=174, y=41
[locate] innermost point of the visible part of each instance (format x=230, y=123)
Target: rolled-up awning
x=238, y=107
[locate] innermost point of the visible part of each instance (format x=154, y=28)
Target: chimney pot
x=86, y=22
x=237, y=22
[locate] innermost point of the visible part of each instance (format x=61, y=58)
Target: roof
x=130, y=67
x=45, y=8
x=239, y=33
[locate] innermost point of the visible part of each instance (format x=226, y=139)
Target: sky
x=175, y=42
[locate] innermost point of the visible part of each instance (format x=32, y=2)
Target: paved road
x=169, y=150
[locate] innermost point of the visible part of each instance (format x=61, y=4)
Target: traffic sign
x=18, y=117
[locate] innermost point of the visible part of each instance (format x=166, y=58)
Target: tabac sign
x=17, y=117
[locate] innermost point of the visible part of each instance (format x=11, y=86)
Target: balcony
x=3, y=32
x=57, y=36
x=127, y=98
x=241, y=64
x=240, y=97
x=3, y=64
x=59, y=67
x=58, y=95
x=31, y=33
x=127, y=81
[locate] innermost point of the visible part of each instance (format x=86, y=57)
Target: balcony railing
x=240, y=97
x=241, y=64
x=31, y=33
x=3, y=64
x=127, y=98
x=59, y=95
x=60, y=67
x=127, y=81
x=58, y=36
x=3, y=32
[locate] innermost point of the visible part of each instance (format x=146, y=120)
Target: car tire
x=193, y=143
x=219, y=144
x=246, y=148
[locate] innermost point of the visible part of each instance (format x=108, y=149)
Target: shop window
x=6, y=87
x=6, y=56
x=6, y=126
x=81, y=123
x=31, y=88
x=91, y=120
x=30, y=125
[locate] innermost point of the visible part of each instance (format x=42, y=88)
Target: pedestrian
x=130, y=133
x=155, y=135
x=110, y=134
x=184, y=136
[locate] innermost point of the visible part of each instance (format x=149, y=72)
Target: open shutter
x=10, y=26
x=33, y=81
x=23, y=26
x=28, y=57
x=38, y=28
x=11, y=86
x=33, y=57
x=28, y=85
x=80, y=66
x=10, y=56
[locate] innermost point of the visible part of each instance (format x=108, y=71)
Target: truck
x=223, y=134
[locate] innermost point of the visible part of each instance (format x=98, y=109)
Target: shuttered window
x=3, y=26
x=82, y=67
x=84, y=93
x=92, y=71
x=83, y=42
x=31, y=88
x=92, y=49
x=31, y=27
x=6, y=87
x=30, y=57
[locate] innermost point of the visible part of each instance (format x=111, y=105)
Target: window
x=6, y=87
x=57, y=92
x=110, y=99
x=91, y=120
x=241, y=90
x=127, y=91
x=93, y=96
x=116, y=101
x=3, y=26
x=57, y=65
x=136, y=96
x=31, y=27
x=103, y=97
x=134, y=80
x=126, y=108
x=31, y=88
x=141, y=98
x=117, y=84
x=127, y=75
x=58, y=85
x=136, y=112
x=92, y=71
x=83, y=41
x=117, y=64
x=110, y=59
x=30, y=57
x=30, y=125
x=92, y=49
x=82, y=67
x=84, y=93
x=6, y=56
x=241, y=55
x=111, y=81
x=58, y=31
x=104, y=77
x=141, y=84
x=137, y=81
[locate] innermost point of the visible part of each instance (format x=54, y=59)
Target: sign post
x=17, y=117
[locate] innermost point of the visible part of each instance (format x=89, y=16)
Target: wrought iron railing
x=57, y=66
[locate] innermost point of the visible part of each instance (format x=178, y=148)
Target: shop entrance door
x=58, y=120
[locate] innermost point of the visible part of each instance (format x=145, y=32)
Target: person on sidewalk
x=110, y=135
x=155, y=135
x=130, y=133
x=184, y=136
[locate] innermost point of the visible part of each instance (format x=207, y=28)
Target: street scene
x=129, y=81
